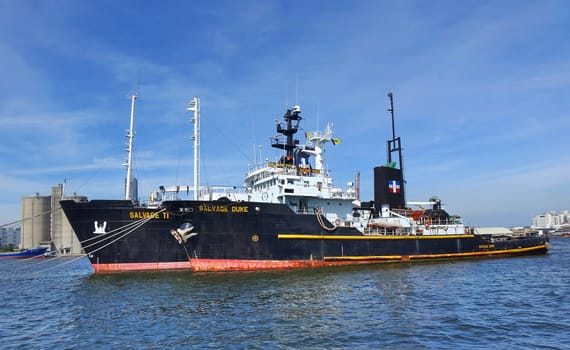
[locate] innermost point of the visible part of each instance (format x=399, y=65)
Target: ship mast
x=129, y=165
x=292, y=117
x=195, y=107
x=319, y=139
x=394, y=145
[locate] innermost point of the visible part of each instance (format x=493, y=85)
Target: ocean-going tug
x=288, y=214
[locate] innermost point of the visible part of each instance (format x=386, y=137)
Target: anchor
x=100, y=229
x=184, y=232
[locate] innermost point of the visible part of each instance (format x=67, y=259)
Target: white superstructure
x=300, y=180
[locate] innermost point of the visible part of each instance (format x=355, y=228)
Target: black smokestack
x=389, y=188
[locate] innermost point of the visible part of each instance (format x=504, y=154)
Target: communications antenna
x=195, y=107
x=129, y=164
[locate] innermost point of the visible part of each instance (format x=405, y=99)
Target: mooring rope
x=122, y=232
x=118, y=231
x=18, y=261
x=134, y=225
x=30, y=218
x=59, y=265
x=140, y=223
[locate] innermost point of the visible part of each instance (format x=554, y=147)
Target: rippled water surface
x=515, y=303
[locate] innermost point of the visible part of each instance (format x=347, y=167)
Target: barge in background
x=23, y=254
x=288, y=214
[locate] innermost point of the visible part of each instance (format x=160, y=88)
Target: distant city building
x=10, y=236
x=552, y=220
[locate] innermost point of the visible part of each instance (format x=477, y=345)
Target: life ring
x=337, y=221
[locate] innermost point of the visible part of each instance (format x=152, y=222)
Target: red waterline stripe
x=150, y=266
x=212, y=265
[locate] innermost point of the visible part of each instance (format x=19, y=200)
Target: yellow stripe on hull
x=368, y=238
x=435, y=256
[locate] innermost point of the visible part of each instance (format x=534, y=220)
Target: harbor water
x=514, y=303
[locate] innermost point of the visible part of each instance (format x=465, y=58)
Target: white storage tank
x=62, y=234
x=35, y=220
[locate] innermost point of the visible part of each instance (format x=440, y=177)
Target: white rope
x=18, y=261
x=136, y=224
x=59, y=265
x=121, y=230
x=30, y=218
x=118, y=231
x=140, y=223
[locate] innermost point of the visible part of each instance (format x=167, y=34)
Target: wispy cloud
x=481, y=92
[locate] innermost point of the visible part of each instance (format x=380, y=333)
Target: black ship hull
x=119, y=236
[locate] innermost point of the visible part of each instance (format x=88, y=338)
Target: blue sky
x=481, y=90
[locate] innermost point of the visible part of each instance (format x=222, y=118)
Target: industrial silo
x=62, y=234
x=35, y=220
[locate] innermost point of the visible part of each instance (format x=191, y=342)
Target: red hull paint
x=211, y=265
x=219, y=265
x=125, y=267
